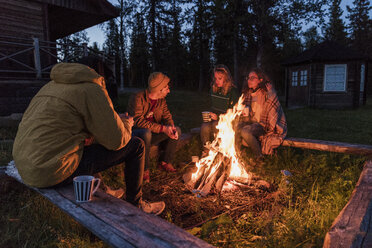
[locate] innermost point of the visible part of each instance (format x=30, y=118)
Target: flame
x=224, y=143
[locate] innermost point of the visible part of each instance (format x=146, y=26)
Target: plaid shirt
x=272, y=119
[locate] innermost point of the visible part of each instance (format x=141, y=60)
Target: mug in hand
x=84, y=188
x=206, y=116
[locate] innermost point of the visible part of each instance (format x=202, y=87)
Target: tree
x=117, y=35
x=139, y=57
x=360, y=25
x=311, y=37
x=199, y=39
x=335, y=29
x=70, y=46
x=174, y=50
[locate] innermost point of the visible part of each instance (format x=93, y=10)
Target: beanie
x=157, y=81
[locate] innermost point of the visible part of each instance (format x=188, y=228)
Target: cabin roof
x=326, y=51
x=70, y=16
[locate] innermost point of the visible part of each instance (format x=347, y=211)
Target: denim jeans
x=207, y=131
x=250, y=134
x=150, y=138
x=97, y=158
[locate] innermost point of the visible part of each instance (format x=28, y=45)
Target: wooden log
x=330, y=146
x=118, y=223
x=352, y=227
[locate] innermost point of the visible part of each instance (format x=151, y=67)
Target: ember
x=222, y=162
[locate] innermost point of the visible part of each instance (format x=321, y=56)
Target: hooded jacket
x=72, y=107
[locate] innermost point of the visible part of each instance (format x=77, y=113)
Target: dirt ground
x=187, y=209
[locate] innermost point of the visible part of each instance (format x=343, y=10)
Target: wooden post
x=37, y=57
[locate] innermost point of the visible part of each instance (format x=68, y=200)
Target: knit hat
x=157, y=81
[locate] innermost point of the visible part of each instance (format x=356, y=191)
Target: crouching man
x=51, y=146
x=153, y=122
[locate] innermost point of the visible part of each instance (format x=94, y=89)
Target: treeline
x=186, y=38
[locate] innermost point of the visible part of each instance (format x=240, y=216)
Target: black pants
x=150, y=138
x=97, y=158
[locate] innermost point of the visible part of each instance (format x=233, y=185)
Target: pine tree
x=311, y=37
x=70, y=46
x=139, y=57
x=360, y=25
x=200, y=38
x=335, y=29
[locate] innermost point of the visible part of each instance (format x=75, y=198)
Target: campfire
x=222, y=164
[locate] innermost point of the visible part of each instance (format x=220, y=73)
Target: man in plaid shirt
x=263, y=125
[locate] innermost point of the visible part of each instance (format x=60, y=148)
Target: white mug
x=206, y=116
x=84, y=188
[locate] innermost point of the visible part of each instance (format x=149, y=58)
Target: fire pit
x=222, y=162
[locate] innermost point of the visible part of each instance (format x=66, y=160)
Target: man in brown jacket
x=153, y=122
x=51, y=146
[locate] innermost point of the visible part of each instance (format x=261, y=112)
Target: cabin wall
x=21, y=18
x=314, y=95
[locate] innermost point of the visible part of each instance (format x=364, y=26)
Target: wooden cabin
x=328, y=75
x=28, y=49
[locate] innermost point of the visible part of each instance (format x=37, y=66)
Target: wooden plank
x=352, y=227
x=134, y=225
x=328, y=146
x=119, y=223
x=97, y=226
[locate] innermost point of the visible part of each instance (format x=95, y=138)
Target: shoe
x=152, y=208
x=146, y=176
x=118, y=193
x=167, y=167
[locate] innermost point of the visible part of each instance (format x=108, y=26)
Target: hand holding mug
x=128, y=118
x=213, y=116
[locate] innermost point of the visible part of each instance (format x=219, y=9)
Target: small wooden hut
x=328, y=75
x=28, y=49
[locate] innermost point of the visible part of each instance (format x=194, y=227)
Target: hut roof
x=326, y=51
x=70, y=16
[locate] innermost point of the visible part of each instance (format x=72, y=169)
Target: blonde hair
x=227, y=82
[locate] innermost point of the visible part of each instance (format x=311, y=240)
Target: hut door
x=303, y=86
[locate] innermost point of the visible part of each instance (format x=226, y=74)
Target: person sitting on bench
x=70, y=128
x=153, y=121
x=263, y=126
x=224, y=95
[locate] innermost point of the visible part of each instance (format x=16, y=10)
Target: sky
x=96, y=34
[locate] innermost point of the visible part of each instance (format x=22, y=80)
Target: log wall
x=21, y=18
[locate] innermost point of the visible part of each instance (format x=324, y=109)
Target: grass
x=321, y=185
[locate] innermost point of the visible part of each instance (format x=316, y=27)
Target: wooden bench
x=352, y=227
x=118, y=223
x=330, y=146
x=321, y=145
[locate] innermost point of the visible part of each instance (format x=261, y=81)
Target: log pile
x=213, y=173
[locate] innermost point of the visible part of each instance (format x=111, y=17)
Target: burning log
x=222, y=162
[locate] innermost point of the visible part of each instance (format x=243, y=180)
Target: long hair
x=228, y=81
x=261, y=75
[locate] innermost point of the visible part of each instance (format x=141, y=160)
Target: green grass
x=320, y=187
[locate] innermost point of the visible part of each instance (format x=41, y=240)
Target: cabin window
x=294, y=78
x=335, y=78
x=362, y=70
x=303, y=78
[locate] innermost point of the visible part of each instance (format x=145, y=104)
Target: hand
x=128, y=118
x=171, y=132
x=213, y=116
x=88, y=141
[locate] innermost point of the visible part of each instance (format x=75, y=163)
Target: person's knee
x=246, y=133
x=147, y=135
x=138, y=142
